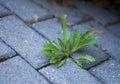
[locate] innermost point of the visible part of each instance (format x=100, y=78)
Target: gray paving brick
x=93, y=51
x=26, y=9
x=70, y=73
x=17, y=71
x=3, y=11
x=115, y=29
x=5, y=51
x=49, y=28
x=74, y=15
x=106, y=40
x=99, y=13
x=108, y=72
x=24, y=40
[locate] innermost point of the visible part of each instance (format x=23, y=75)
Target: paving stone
x=23, y=39
x=3, y=11
x=69, y=73
x=108, y=72
x=115, y=29
x=49, y=28
x=99, y=13
x=26, y=9
x=93, y=51
x=75, y=16
x=106, y=40
x=5, y=51
x=17, y=71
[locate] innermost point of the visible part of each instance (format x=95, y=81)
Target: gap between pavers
x=5, y=51
x=17, y=71
x=4, y=11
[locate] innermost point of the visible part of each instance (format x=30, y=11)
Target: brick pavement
x=22, y=42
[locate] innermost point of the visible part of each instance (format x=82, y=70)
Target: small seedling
x=63, y=48
x=3, y=59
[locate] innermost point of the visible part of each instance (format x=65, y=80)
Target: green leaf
x=66, y=34
x=61, y=43
x=55, y=59
x=52, y=47
x=61, y=63
x=78, y=62
x=87, y=57
x=68, y=45
x=50, y=53
x=84, y=39
x=86, y=35
x=76, y=38
x=63, y=22
x=66, y=37
x=90, y=42
x=46, y=51
x=55, y=44
x=67, y=49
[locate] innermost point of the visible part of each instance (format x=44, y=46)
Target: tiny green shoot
x=3, y=59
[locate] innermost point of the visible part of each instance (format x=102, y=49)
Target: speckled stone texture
x=23, y=39
x=5, y=51
x=26, y=10
x=49, y=28
x=70, y=73
x=106, y=40
x=17, y=71
x=108, y=72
